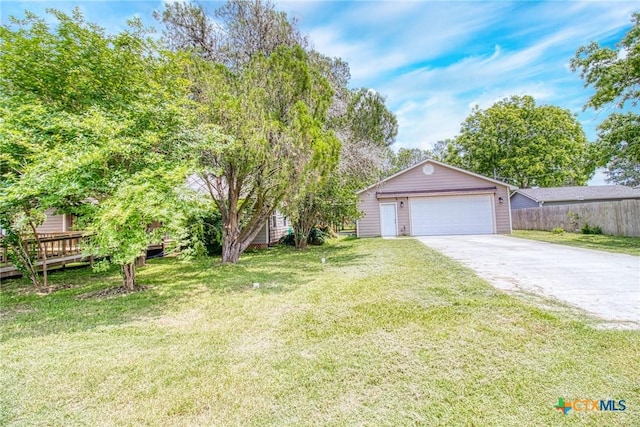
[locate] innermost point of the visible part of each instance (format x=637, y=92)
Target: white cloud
x=380, y=37
x=435, y=60
x=422, y=124
x=539, y=91
x=433, y=99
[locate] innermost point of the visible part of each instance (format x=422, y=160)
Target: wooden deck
x=11, y=271
x=59, y=249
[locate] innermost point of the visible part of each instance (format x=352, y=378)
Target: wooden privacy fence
x=620, y=218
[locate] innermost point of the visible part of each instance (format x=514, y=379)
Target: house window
x=284, y=221
x=274, y=221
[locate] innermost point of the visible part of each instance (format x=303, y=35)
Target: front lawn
x=600, y=242
x=386, y=332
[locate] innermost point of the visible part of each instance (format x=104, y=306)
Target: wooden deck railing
x=59, y=248
x=54, y=245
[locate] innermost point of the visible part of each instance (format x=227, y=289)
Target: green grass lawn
x=620, y=244
x=387, y=332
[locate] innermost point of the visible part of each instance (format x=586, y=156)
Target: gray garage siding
x=273, y=229
x=279, y=226
x=518, y=201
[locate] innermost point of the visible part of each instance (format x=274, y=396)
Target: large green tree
x=260, y=138
x=524, y=144
x=240, y=36
x=84, y=114
x=365, y=127
x=441, y=149
x=369, y=119
x=614, y=73
x=621, y=170
x=232, y=34
x=405, y=158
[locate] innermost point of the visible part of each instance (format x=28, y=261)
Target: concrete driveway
x=604, y=284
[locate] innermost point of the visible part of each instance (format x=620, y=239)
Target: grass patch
x=387, y=332
x=601, y=242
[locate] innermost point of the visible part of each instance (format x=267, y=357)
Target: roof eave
x=527, y=196
x=495, y=181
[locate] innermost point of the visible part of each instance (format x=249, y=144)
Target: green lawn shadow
x=75, y=304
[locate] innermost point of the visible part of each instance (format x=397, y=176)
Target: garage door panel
x=452, y=215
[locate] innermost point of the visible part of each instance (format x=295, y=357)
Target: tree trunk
x=242, y=219
x=141, y=261
x=302, y=243
x=301, y=230
x=300, y=237
x=230, y=250
x=21, y=252
x=41, y=250
x=234, y=242
x=129, y=276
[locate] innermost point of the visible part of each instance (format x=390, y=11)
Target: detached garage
x=432, y=198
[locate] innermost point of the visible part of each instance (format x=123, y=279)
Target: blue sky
x=433, y=61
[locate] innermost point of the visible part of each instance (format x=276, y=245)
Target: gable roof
x=597, y=192
x=402, y=172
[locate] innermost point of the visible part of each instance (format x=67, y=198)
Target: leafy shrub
x=574, y=220
x=204, y=233
x=317, y=236
x=588, y=229
x=558, y=230
x=288, y=239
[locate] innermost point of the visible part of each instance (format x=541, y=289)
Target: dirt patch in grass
x=46, y=290
x=111, y=292
x=6, y=314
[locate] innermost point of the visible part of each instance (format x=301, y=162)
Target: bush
x=288, y=239
x=317, y=236
x=588, y=229
x=204, y=233
x=558, y=230
x=574, y=220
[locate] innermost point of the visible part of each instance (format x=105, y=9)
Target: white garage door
x=452, y=215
